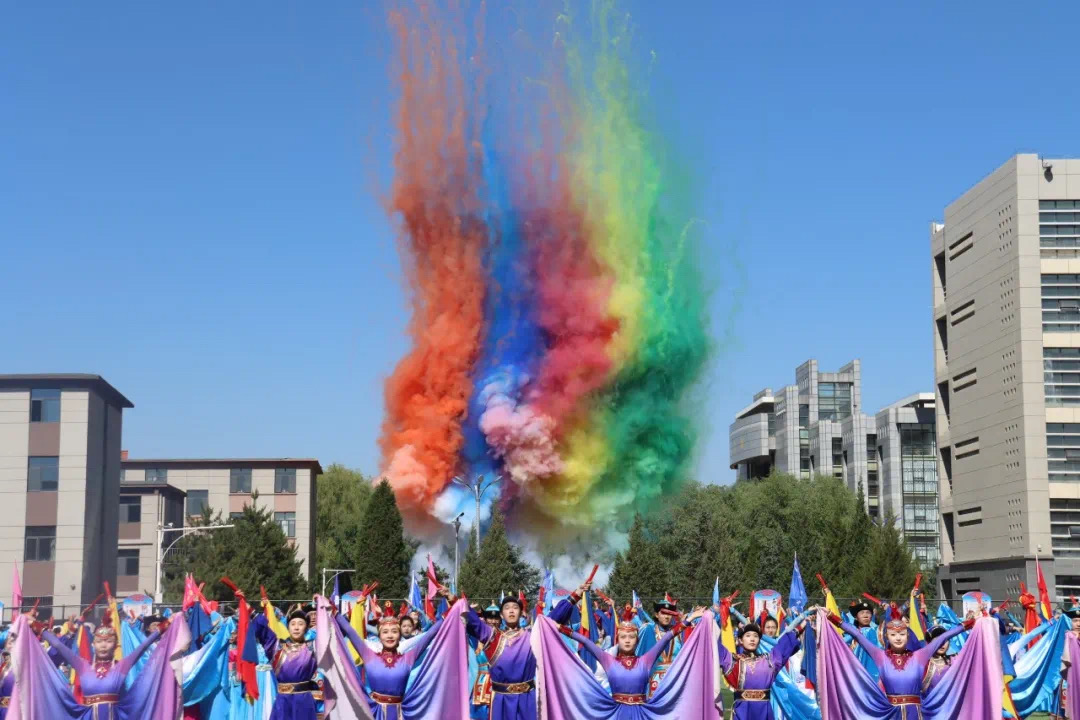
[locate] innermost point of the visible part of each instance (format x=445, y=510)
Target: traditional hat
x=894, y=618
x=491, y=612
x=149, y=620
x=750, y=628
x=858, y=606
x=1073, y=612
x=511, y=599
x=105, y=629
x=936, y=631
x=668, y=604
x=627, y=626
x=300, y=612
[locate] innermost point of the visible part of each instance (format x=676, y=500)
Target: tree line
x=745, y=534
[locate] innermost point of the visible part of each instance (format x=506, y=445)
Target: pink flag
x=191, y=593
x=432, y=583
x=16, y=590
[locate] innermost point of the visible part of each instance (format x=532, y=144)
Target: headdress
x=627, y=626
x=750, y=628
x=894, y=618
x=390, y=619
x=511, y=599
x=668, y=604
x=936, y=631
x=300, y=612
x=1073, y=612
x=627, y=613
x=491, y=612
x=858, y=606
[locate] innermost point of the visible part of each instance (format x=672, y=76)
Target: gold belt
x=628, y=699
x=296, y=688
x=905, y=700
x=519, y=688
x=385, y=699
x=99, y=699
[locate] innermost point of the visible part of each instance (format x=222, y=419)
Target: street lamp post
x=336, y=572
x=457, y=529
x=478, y=487
x=162, y=551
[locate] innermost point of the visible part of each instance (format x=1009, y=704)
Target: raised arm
x=69, y=656
x=876, y=653
x=786, y=646
x=727, y=661
x=649, y=658
x=936, y=644
x=128, y=661
x=564, y=609
x=266, y=636
x=597, y=652
x=424, y=640
x=475, y=627
x=366, y=653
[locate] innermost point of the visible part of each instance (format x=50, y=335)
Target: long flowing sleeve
x=475, y=627
x=876, y=654
x=649, y=658
x=727, y=660
x=128, y=661
x=786, y=646
x=366, y=653
x=936, y=644
x=561, y=613
x=69, y=656
x=424, y=640
x=266, y=636
x=595, y=650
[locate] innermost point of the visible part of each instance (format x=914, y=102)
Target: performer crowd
x=582, y=658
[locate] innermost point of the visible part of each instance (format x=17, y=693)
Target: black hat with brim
x=1073, y=612
x=750, y=628
x=858, y=606
x=508, y=600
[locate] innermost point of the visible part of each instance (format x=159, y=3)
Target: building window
x=127, y=563
x=838, y=457
x=130, y=508
x=236, y=515
x=919, y=490
x=44, y=406
x=43, y=474
x=287, y=521
x=1059, y=232
x=285, y=480
x=873, y=490
x=1063, y=451
x=40, y=543
x=1061, y=303
x=240, y=481
x=1068, y=586
x=157, y=475
x=804, y=441
x=1065, y=527
x=834, y=401
x=197, y=502
x=1061, y=376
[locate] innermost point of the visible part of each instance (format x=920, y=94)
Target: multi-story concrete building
x=59, y=487
x=144, y=507
x=1006, y=298
x=814, y=427
x=284, y=486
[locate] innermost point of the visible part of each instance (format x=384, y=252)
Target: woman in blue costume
x=293, y=660
x=387, y=671
x=901, y=670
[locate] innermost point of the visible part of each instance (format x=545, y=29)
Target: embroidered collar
x=389, y=657
x=102, y=667
x=627, y=661
x=899, y=658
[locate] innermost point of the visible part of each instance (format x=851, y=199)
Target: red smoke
x=427, y=396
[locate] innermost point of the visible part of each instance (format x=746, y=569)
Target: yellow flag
x=274, y=622
x=727, y=633
x=831, y=606
x=357, y=620
x=585, y=615
x=115, y=614
x=914, y=621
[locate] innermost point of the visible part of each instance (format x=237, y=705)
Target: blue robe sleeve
x=561, y=612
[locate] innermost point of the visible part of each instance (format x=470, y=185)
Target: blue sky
x=190, y=197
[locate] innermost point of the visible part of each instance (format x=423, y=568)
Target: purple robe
x=758, y=672
x=1071, y=705
x=41, y=692
x=972, y=688
x=512, y=662
x=935, y=671
x=7, y=685
x=294, y=664
x=568, y=690
x=387, y=674
x=100, y=679
x=438, y=688
x=627, y=675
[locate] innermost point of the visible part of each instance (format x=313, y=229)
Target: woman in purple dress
x=387, y=671
x=7, y=675
x=293, y=660
x=901, y=671
x=101, y=681
x=751, y=673
x=629, y=673
x=939, y=664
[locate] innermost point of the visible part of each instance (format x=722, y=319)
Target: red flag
x=432, y=590
x=1044, y=595
x=246, y=652
x=523, y=601
x=191, y=594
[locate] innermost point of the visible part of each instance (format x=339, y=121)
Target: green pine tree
x=888, y=568
x=253, y=553
x=384, y=553
x=498, y=567
x=342, y=497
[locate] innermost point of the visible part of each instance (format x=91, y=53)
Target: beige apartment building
x=1006, y=316
x=285, y=487
x=59, y=487
x=144, y=507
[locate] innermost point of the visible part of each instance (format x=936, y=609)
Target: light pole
x=336, y=572
x=162, y=551
x=478, y=487
x=457, y=529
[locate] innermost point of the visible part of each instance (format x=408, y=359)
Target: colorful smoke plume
x=558, y=319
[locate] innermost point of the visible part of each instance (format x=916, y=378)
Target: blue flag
x=797, y=595
x=549, y=591
x=416, y=600
x=716, y=592
x=335, y=598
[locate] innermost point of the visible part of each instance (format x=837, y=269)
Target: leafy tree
x=342, y=496
x=383, y=553
x=888, y=569
x=253, y=553
x=498, y=567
